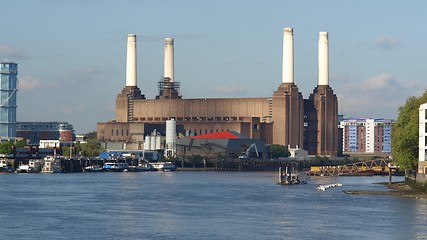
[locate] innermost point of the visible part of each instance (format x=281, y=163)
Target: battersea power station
x=285, y=118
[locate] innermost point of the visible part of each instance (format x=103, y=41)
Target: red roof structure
x=221, y=135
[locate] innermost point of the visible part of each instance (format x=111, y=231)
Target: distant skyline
x=71, y=55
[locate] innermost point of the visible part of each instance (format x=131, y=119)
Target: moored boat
x=140, y=169
x=115, y=167
x=93, y=168
x=163, y=166
x=51, y=165
x=24, y=168
x=33, y=166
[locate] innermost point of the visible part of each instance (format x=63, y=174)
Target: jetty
x=364, y=168
x=238, y=164
x=290, y=177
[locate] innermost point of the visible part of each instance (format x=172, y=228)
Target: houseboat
x=51, y=165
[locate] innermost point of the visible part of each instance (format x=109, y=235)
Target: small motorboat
x=93, y=168
x=324, y=187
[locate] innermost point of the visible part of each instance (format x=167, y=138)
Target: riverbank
x=395, y=189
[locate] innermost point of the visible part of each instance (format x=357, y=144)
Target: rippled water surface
x=201, y=205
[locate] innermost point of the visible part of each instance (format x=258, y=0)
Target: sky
x=71, y=54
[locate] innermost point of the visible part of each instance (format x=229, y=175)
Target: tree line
x=405, y=134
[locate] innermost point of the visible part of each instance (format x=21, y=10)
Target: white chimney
x=323, y=59
x=168, y=61
x=288, y=56
x=131, y=61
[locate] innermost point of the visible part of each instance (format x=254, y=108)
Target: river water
x=201, y=205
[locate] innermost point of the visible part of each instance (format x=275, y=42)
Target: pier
x=365, y=168
x=255, y=164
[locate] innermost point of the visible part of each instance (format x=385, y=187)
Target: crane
x=246, y=155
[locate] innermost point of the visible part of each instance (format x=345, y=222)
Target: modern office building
x=8, y=91
x=366, y=135
x=36, y=131
x=279, y=119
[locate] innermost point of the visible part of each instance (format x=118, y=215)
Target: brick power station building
x=285, y=118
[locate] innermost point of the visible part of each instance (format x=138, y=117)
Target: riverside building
x=366, y=135
x=284, y=118
x=422, y=141
x=33, y=132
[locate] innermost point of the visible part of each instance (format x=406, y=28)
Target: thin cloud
x=377, y=96
x=381, y=82
x=73, y=109
x=182, y=36
x=232, y=89
x=82, y=75
x=77, y=77
x=9, y=52
x=29, y=83
x=386, y=42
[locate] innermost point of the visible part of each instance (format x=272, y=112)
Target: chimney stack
x=168, y=61
x=323, y=59
x=288, y=56
x=131, y=61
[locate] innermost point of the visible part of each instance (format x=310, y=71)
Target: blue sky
x=71, y=55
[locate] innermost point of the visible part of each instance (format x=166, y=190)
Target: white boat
x=324, y=187
x=163, y=166
x=33, y=166
x=24, y=168
x=51, y=165
x=93, y=168
x=4, y=166
x=115, y=167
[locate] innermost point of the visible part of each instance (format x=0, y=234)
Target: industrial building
x=366, y=135
x=221, y=145
x=285, y=118
x=8, y=91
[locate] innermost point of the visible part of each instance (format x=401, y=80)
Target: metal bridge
x=377, y=166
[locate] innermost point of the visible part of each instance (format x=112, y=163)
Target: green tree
x=277, y=150
x=78, y=148
x=65, y=151
x=6, y=147
x=91, y=148
x=404, y=137
x=20, y=143
x=90, y=135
